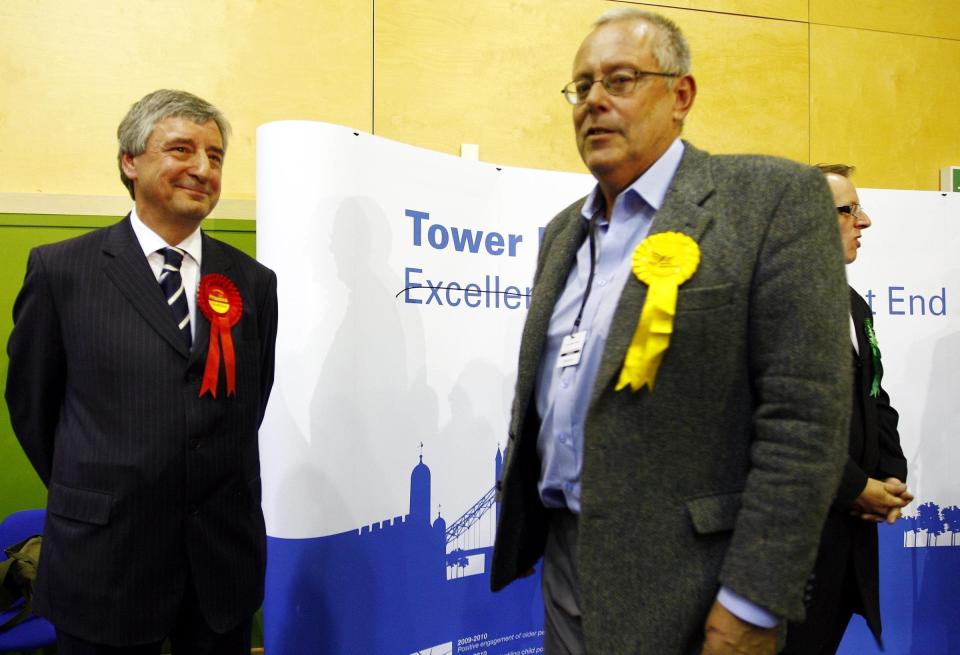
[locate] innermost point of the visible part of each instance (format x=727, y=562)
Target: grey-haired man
x=678, y=517
x=138, y=400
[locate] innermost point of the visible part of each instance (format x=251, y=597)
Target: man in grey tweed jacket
x=682, y=517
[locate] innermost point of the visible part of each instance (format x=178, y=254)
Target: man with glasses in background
x=873, y=487
x=683, y=390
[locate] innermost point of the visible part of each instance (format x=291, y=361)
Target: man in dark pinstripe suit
x=146, y=440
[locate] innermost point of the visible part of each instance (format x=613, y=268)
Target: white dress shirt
x=151, y=243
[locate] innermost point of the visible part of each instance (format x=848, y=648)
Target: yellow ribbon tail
x=651, y=338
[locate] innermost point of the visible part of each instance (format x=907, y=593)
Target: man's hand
x=882, y=500
x=725, y=634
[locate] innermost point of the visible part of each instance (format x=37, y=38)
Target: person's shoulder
x=69, y=249
x=857, y=303
x=237, y=257
x=768, y=165
x=566, y=216
x=764, y=177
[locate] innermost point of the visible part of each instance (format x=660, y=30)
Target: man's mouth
x=598, y=131
x=195, y=192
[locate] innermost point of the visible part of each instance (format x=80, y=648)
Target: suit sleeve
x=799, y=367
x=892, y=462
x=36, y=376
x=852, y=484
x=268, y=341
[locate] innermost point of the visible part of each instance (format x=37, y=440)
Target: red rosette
x=220, y=301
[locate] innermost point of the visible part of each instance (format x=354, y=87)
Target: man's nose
x=202, y=166
x=597, y=94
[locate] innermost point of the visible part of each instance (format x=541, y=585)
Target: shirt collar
x=151, y=242
x=651, y=187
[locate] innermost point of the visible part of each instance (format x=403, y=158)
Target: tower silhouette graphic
x=399, y=585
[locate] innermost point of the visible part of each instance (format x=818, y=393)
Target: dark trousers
x=563, y=631
x=827, y=620
x=190, y=635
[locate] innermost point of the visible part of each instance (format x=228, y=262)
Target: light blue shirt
x=563, y=394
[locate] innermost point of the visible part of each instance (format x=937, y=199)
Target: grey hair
x=843, y=170
x=670, y=47
x=138, y=124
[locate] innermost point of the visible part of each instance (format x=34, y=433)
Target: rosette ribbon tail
x=651, y=338
x=875, y=356
x=211, y=372
x=229, y=357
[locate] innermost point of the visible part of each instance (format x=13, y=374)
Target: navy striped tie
x=172, y=284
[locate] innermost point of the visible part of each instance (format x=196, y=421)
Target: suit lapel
x=125, y=266
x=549, y=284
x=682, y=211
x=864, y=352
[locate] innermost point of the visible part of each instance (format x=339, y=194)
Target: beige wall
x=872, y=82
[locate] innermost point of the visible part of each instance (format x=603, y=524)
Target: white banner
x=404, y=278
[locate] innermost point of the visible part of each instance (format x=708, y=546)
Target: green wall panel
x=20, y=488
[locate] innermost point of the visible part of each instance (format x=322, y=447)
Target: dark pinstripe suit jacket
x=148, y=483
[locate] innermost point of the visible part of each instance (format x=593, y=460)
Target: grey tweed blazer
x=723, y=474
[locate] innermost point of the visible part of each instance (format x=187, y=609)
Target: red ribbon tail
x=211, y=371
x=229, y=358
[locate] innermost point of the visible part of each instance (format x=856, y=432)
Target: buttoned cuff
x=746, y=610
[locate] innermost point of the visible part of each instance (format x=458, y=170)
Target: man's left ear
x=685, y=92
x=129, y=168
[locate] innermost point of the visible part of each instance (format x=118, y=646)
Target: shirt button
x=602, y=283
x=565, y=384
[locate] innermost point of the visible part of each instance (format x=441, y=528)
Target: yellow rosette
x=663, y=262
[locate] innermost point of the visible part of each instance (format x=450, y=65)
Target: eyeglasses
x=618, y=83
x=854, y=210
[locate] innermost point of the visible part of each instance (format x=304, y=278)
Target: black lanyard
x=592, y=237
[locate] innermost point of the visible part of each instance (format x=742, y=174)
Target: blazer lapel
x=129, y=270
x=682, y=211
x=550, y=285
x=863, y=353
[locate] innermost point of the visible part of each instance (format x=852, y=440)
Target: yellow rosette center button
x=663, y=262
x=219, y=302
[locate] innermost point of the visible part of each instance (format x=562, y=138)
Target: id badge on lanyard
x=571, y=348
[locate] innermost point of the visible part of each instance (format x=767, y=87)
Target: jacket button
x=194, y=443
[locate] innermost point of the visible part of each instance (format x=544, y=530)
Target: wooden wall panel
x=70, y=70
x=939, y=18
x=752, y=75
x=487, y=73
x=783, y=9
x=461, y=73
x=885, y=103
x=438, y=74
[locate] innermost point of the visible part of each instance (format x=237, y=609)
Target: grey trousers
x=563, y=632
